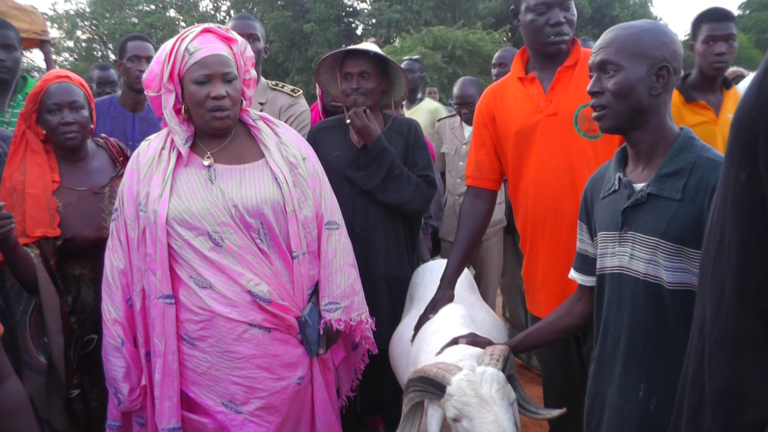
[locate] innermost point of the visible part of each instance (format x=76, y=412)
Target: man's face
x=715, y=48
x=362, y=82
x=104, y=83
x=138, y=56
x=254, y=34
x=432, y=93
x=415, y=74
x=547, y=25
x=464, y=101
x=502, y=63
x=10, y=57
x=619, y=88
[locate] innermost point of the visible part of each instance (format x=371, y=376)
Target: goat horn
x=526, y=406
x=494, y=356
x=427, y=382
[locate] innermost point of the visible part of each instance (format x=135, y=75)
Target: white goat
x=477, y=390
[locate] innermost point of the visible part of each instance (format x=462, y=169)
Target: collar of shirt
x=669, y=180
x=520, y=63
x=260, y=94
x=686, y=92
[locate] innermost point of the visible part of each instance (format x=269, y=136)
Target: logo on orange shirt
x=585, y=125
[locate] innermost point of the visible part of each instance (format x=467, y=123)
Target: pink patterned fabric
x=318, y=114
x=431, y=148
x=200, y=328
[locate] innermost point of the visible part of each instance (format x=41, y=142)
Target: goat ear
x=417, y=390
x=524, y=404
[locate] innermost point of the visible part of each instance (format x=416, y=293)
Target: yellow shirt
x=710, y=127
x=427, y=112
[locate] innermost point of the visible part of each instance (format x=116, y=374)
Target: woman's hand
x=328, y=339
x=363, y=125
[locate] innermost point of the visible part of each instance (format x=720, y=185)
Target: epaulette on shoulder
x=285, y=88
x=449, y=115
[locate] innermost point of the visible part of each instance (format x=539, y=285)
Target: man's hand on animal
x=466, y=388
x=441, y=298
x=471, y=339
x=471, y=228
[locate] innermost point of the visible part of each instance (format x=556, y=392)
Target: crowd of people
x=188, y=245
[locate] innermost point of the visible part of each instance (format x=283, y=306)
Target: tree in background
x=753, y=22
x=449, y=53
x=89, y=31
x=299, y=33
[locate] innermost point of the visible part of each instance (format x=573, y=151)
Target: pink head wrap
x=162, y=81
x=318, y=114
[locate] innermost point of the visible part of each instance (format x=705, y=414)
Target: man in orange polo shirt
x=705, y=99
x=535, y=128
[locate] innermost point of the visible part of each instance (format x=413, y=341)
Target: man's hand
x=442, y=297
x=363, y=125
x=7, y=236
x=471, y=339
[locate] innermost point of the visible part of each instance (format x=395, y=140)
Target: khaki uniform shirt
x=283, y=102
x=452, y=149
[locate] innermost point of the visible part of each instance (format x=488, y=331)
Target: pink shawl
x=140, y=342
x=316, y=109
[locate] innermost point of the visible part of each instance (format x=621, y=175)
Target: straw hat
x=327, y=75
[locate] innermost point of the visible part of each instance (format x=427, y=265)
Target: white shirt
x=467, y=130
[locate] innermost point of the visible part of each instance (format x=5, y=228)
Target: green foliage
x=299, y=33
x=753, y=22
x=748, y=57
x=89, y=31
x=449, y=53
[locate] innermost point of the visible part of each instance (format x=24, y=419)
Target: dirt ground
x=531, y=381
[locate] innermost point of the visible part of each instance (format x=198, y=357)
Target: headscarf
x=162, y=81
x=317, y=111
x=32, y=172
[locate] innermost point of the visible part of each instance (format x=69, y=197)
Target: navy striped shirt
x=640, y=249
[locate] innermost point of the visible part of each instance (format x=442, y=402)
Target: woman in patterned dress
x=225, y=230
x=57, y=194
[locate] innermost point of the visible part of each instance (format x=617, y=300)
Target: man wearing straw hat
x=382, y=174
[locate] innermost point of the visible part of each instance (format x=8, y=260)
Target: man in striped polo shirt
x=640, y=231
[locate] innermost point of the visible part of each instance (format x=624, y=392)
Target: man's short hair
x=133, y=37
x=415, y=59
x=8, y=26
x=245, y=16
x=101, y=67
x=713, y=15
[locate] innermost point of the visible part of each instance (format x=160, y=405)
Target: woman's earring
x=242, y=103
x=184, y=111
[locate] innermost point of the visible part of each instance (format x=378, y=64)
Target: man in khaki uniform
x=282, y=101
x=453, y=134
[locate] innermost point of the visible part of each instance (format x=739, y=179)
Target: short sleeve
x=484, y=166
x=584, y=270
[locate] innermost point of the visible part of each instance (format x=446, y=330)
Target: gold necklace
x=208, y=158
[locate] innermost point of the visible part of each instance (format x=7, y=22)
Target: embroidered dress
x=207, y=271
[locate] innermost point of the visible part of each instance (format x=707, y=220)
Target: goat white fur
x=463, y=383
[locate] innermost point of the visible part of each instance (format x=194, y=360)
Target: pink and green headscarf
x=162, y=81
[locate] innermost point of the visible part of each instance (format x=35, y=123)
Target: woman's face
x=65, y=116
x=211, y=90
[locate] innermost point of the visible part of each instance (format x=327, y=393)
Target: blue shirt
x=129, y=128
